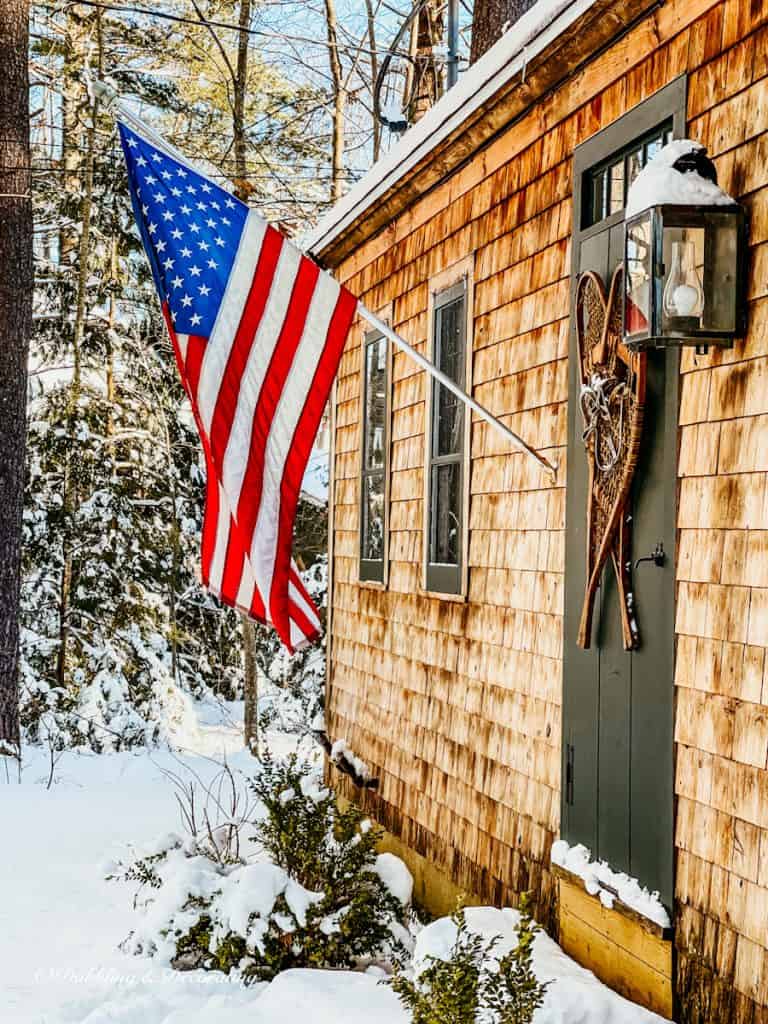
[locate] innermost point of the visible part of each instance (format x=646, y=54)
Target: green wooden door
x=618, y=785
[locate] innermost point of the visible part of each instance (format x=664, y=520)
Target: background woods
x=275, y=98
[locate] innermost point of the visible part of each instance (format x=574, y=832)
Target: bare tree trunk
x=374, y=75
x=70, y=497
x=428, y=31
x=15, y=328
x=490, y=19
x=339, y=102
x=251, y=715
x=238, y=105
x=239, y=87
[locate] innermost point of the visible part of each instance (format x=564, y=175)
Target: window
x=445, y=484
x=608, y=183
x=375, y=448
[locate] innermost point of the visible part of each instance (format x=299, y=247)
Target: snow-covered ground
x=61, y=923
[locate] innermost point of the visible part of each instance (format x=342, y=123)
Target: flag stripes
x=258, y=331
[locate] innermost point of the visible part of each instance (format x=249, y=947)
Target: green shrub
x=313, y=897
x=474, y=985
x=330, y=851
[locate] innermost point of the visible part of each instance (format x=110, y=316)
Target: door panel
x=617, y=705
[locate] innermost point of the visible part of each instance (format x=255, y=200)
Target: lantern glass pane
x=637, y=306
x=720, y=277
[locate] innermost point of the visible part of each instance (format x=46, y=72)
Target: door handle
x=658, y=556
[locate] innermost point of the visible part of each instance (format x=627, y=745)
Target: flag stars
x=176, y=234
x=212, y=264
x=176, y=192
x=201, y=206
x=226, y=220
x=168, y=264
x=219, y=240
x=215, y=205
x=205, y=187
x=159, y=197
x=194, y=228
x=187, y=300
x=177, y=282
x=204, y=290
x=140, y=161
x=211, y=222
x=229, y=204
x=203, y=245
x=186, y=210
x=186, y=253
x=160, y=246
x=195, y=271
x=195, y=319
x=150, y=179
x=152, y=228
x=168, y=215
x=181, y=172
x=132, y=142
x=166, y=175
x=157, y=158
x=192, y=190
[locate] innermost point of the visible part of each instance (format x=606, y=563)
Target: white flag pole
x=513, y=438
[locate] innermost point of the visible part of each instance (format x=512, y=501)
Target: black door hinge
x=569, y=753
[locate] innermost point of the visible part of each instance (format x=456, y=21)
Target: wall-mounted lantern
x=685, y=254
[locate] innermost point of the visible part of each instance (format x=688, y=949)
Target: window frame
x=445, y=580
x=374, y=572
x=665, y=130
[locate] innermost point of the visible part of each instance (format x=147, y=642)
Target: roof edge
x=524, y=64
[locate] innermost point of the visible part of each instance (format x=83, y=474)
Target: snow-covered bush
x=469, y=983
x=309, y=890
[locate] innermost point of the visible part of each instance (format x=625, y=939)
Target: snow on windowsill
x=600, y=880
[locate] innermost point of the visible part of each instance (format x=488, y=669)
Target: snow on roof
x=660, y=182
x=528, y=37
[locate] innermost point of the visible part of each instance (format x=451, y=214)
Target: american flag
x=258, y=331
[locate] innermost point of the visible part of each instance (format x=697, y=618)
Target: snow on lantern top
x=685, y=253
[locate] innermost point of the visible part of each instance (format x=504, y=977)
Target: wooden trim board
x=616, y=948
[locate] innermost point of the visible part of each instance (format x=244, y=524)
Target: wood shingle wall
x=456, y=704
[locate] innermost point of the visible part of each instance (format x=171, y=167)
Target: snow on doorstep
x=597, y=875
x=659, y=182
x=574, y=995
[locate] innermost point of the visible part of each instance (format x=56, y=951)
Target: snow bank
x=574, y=995
x=597, y=875
x=328, y=997
x=659, y=182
